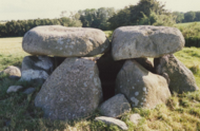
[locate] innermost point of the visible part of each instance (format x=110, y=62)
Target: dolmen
x=82, y=71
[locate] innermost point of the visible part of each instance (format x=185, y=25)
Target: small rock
x=112, y=121
x=135, y=118
x=115, y=106
x=14, y=88
x=12, y=71
x=29, y=90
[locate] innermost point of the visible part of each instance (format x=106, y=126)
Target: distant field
x=186, y=24
x=11, y=52
x=2, y=22
x=11, y=46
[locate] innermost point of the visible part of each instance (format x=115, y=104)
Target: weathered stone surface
x=115, y=106
x=112, y=121
x=141, y=87
x=108, y=70
x=135, y=118
x=180, y=77
x=36, y=68
x=145, y=41
x=72, y=91
x=14, y=88
x=12, y=71
x=65, y=41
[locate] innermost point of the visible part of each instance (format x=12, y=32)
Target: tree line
x=145, y=12
x=20, y=27
x=189, y=16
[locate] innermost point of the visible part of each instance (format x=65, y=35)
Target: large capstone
x=141, y=87
x=180, y=78
x=145, y=41
x=36, y=68
x=65, y=41
x=72, y=91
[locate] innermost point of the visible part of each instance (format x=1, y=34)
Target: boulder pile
x=78, y=80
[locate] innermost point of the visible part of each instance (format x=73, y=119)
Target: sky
x=33, y=9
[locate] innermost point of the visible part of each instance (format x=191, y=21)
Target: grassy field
x=186, y=24
x=11, y=52
x=191, y=33
x=18, y=113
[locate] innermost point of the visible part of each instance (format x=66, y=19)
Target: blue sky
x=32, y=9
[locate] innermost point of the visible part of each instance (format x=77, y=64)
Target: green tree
x=197, y=18
x=133, y=14
x=179, y=16
x=158, y=20
x=121, y=18
x=189, y=16
x=97, y=18
x=145, y=7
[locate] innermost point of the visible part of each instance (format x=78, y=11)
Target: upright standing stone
x=141, y=87
x=180, y=77
x=65, y=41
x=145, y=41
x=72, y=91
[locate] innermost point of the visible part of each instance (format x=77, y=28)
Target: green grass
x=108, y=34
x=191, y=33
x=191, y=59
x=182, y=112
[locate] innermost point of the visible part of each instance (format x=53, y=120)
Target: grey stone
x=115, y=106
x=12, y=71
x=145, y=41
x=180, y=78
x=141, y=87
x=36, y=68
x=112, y=121
x=13, y=88
x=135, y=118
x=63, y=41
x=29, y=90
x=72, y=91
